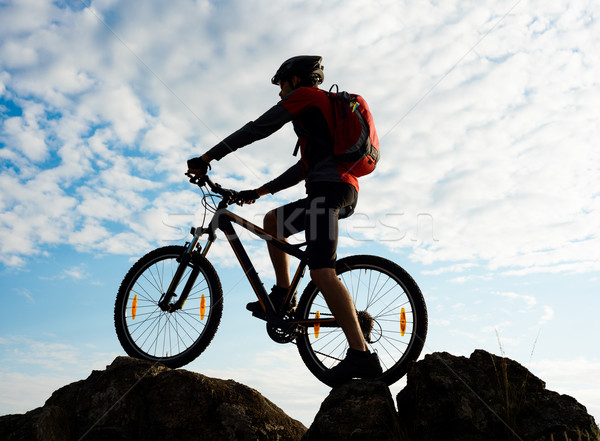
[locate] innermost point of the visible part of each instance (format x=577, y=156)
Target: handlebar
x=229, y=196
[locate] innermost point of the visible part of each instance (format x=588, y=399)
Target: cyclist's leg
x=279, y=259
x=341, y=305
x=282, y=223
x=323, y=210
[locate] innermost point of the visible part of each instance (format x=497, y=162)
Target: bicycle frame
x=224, y=220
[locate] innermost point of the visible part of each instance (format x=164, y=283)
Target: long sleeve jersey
x=311, y=113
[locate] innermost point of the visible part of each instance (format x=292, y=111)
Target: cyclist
x=331, y=194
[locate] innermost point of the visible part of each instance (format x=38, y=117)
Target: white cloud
x=22, y=393
x=465, y=279
x=25, y=133
x=77, y=272
x=499, y=154
x=36, y=213
x=24, y=292
x=458, y=268
x=38, y=367
x=119, y=106
x=577, y=378
x=529, y=301
x=548, y=314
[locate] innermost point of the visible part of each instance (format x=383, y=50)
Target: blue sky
x=487, y=192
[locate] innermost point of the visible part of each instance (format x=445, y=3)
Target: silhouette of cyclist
x=331, y=194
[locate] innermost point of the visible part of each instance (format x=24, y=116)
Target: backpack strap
x=344, y=97
x=331, y=97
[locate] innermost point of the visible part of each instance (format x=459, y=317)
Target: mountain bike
x=170, y=303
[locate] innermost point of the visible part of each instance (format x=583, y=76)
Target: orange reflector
x=402, y=322
x=202, y=307
x=134, y=307
x=317, y=326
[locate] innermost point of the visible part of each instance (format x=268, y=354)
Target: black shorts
x=317, y=215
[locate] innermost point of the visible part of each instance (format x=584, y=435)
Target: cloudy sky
x=488, y=190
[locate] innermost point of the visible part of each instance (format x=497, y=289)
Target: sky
x=488, y=190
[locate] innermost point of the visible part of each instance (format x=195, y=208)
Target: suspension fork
x=184, y=262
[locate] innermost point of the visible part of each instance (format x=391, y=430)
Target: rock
x=481, y=398
x=47, y=423
x=487, y=398
x=138, y=400
x=359, y=410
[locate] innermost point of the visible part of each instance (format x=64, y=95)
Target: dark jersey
x=311, y=113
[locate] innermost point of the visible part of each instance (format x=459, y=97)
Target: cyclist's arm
x=287, y=179
x=267, y=124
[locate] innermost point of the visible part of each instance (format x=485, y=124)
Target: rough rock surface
x=487, y=398
x=359, y=410
x=137, y=400
x=481, y=398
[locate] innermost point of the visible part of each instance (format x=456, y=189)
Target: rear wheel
x=146, y=330
x=391, y=312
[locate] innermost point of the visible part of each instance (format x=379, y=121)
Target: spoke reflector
x=402, y=322
x=317, y=326
x=134, y=307
x=202, y=307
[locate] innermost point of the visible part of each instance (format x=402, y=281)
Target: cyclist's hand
x=247, y=197
x=197, y=167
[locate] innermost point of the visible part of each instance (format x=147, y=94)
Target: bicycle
x=170, y=303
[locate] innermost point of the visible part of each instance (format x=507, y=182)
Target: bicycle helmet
x=304, y=66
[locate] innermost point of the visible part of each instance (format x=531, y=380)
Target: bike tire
x=175, y=338
x=382, y=289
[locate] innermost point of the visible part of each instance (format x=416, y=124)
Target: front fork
x=184, y=263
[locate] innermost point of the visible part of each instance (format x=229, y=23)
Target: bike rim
x=160, y=334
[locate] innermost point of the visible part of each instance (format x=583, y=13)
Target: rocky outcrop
x=137, y=400
x=481, y=398
x=487, y=398
x=359, y=411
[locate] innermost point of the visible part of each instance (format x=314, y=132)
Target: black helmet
x=304, y=66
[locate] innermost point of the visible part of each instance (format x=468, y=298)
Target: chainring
x=286, y=334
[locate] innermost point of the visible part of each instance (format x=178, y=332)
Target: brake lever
x=195, y=179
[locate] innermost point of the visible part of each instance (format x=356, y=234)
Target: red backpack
x=355, y=141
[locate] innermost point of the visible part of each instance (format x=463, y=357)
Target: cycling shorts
x=317, y=215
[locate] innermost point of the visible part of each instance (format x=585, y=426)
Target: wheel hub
x=370, y=328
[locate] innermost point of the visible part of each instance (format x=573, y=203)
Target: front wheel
x=150, y=332
x=391, y=312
